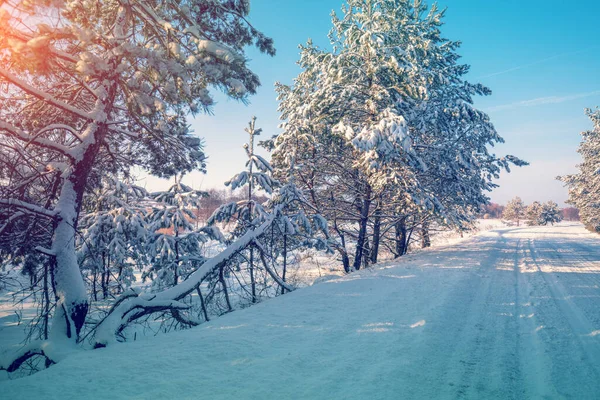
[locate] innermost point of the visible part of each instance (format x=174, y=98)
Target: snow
x=510, y=313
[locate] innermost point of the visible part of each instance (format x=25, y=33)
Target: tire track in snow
x=462, y=366
x=571, y=359
x=533, y=356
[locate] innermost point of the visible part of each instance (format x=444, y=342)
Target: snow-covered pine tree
x=533, y=213
x=550, y=213
x=175, y=243
x=387, y=110
x=341, y=109
x=113, y=235
x=298, y=228
x=514, y=210
x=584, y=187
x=246, y=214
x=254, y=227
x=106, y=83
x=450, y=135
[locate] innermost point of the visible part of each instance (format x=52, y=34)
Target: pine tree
x=113, y=235
x=584, y=187
x=550, y=214
x=533, y=213
x=291, y=231
x=257, y=176
x=514, y=210
x=174, y=246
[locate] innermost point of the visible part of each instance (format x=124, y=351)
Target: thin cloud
x=542, y=100
x=542, y=61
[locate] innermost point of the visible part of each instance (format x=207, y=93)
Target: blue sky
x=540, y=58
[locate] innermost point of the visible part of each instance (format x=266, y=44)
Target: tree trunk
x=202, y=304
x=284, y=262
x=362, y=233
x=250, y=170
x=73, y=304
x=401, y=245
x=224, y=286
x=366, y=253
x=425, y=239
x=176, y=264
x=342, y=248
x=46, y=299
x=252, y=279
x=94, y=284
x=376, y=237
x=105, y=275
x=346, y=262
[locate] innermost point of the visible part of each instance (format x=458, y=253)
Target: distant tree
x=514, y=210
x=493, y=210
x=533, y=213
x=570, y=214
x=174, y=245
x=550, y=214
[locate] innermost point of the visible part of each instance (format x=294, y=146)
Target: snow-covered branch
x=44, y=96
x=29, y=208
x=270, y=271
x=11, y=361
x=23, y=136
x=10, y=220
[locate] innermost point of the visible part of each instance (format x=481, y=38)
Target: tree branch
x=25, y=137
x=27, y=207
x=44, y=96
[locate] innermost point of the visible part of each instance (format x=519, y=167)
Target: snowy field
x=512, y=313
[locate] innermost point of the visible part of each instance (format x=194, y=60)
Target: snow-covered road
x=510, y=314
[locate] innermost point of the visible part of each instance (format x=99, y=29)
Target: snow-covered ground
x=512, y=313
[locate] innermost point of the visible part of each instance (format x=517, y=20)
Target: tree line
x=534, y=214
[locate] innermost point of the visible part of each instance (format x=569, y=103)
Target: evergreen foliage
x=382, y=131
x=514, y=210
x=584, y=187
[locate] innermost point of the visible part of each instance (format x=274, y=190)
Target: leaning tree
x=90, y=88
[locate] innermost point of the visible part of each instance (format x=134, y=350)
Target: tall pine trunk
x=73, y=303
x=401, y=237
x=425, y=238
x=376, y=237
x=342, y=248
x=284, y=261
x=362, y=233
